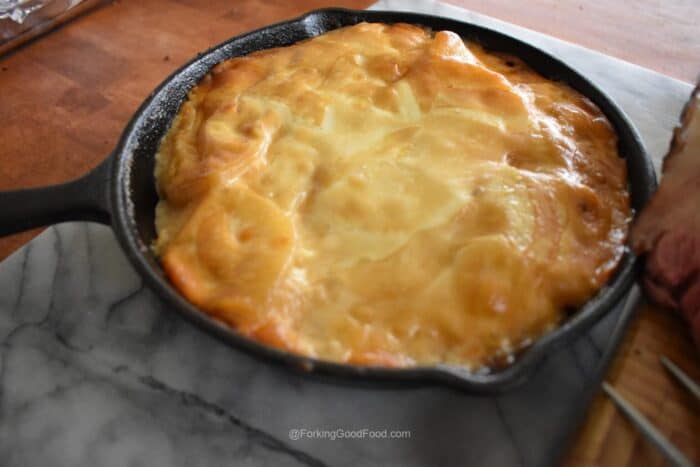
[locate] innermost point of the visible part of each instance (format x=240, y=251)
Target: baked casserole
x=385, y=195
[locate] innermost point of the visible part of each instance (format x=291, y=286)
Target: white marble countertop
x=95, y=371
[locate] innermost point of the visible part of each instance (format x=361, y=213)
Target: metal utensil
x=684, y=379
x=668, y=449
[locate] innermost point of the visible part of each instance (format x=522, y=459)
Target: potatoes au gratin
x=385, y=195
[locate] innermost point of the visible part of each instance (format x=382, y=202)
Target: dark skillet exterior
x=132, y=196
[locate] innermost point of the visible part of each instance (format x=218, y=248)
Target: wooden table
x=66, y=98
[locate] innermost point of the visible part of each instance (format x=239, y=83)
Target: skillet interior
x=133, y=195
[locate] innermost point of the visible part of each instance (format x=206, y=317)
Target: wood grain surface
x=66, y=97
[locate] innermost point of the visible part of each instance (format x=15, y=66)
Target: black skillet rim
x=306, y=26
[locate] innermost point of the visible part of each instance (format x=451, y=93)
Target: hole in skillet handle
x=135, y=196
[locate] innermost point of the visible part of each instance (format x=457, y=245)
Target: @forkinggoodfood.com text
x=342, y=433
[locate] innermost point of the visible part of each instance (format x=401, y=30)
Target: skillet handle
x=86, y=198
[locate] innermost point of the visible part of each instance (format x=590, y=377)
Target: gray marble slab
x=96, y=371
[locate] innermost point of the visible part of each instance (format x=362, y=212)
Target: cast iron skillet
x=121, y=192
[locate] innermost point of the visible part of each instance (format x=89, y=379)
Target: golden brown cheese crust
x=380, y=195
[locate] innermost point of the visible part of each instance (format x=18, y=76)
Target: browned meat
x=668, y=229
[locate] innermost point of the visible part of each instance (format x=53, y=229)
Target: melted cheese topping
x=380, y=195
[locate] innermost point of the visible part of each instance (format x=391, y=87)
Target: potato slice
x=230, y=254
